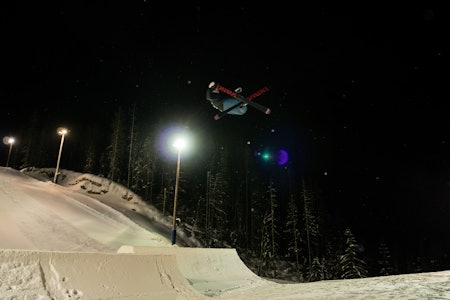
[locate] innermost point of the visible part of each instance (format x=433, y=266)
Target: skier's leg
x=240, y=110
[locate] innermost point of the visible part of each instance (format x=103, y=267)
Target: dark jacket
x=213, y=96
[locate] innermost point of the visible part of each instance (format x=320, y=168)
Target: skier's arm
x=213, y=96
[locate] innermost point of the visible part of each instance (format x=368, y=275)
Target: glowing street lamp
x=10, y=141
x=179, y=143
x=61, y=131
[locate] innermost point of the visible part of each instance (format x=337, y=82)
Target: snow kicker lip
x=64, y=275
x=137, y=272
x=210, y=271
x=183, y=273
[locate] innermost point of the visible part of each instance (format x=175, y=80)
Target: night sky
x=359, y=92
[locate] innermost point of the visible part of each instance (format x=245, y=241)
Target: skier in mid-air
x=222, y=102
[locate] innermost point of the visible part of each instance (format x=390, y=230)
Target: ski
x=243, y=100
x=249, y=99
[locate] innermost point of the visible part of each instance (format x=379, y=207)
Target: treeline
x=279, y=223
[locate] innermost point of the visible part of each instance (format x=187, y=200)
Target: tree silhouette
x=293, y=234
x=351, y=265
x=311, y=225
x=269, y=235
x=317, y=270
x=384, y=260
x=116, y=149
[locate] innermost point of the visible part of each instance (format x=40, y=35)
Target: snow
x=89, y=238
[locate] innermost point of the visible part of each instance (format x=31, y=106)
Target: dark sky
x=358, y=91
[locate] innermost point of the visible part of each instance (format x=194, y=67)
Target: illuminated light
x=179, y=143
x=167, y=141
x=62, y=131
x=8, y=140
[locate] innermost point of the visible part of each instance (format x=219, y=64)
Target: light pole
x=10, y=141
x=61, y=131
x=179, y=144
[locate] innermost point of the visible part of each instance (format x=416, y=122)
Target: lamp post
x=10, y=141
x=179, y=144
x=61, y=131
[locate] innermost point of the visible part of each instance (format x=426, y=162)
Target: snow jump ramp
x=211, y=271
x=132, y=273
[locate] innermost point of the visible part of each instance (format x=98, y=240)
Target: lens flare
x=282, y=157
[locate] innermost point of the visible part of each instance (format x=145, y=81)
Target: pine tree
x=265, y=255
x=351, y=265
x=132, y=140
x=166, y=190
x=310, y=220
x=257, y=210
x=218, y=199
x=218, y=217
x=293, y=234
x=247, y=236
x=384, y=260
x=142, y=164
x=331, y=262
x=269, y=243
x=27, y=142
x=116, y=147
x=273, y=227
x=317, y=270
x=34, y=149
x=90, y=161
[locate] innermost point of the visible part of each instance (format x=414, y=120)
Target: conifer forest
x=279, y=223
